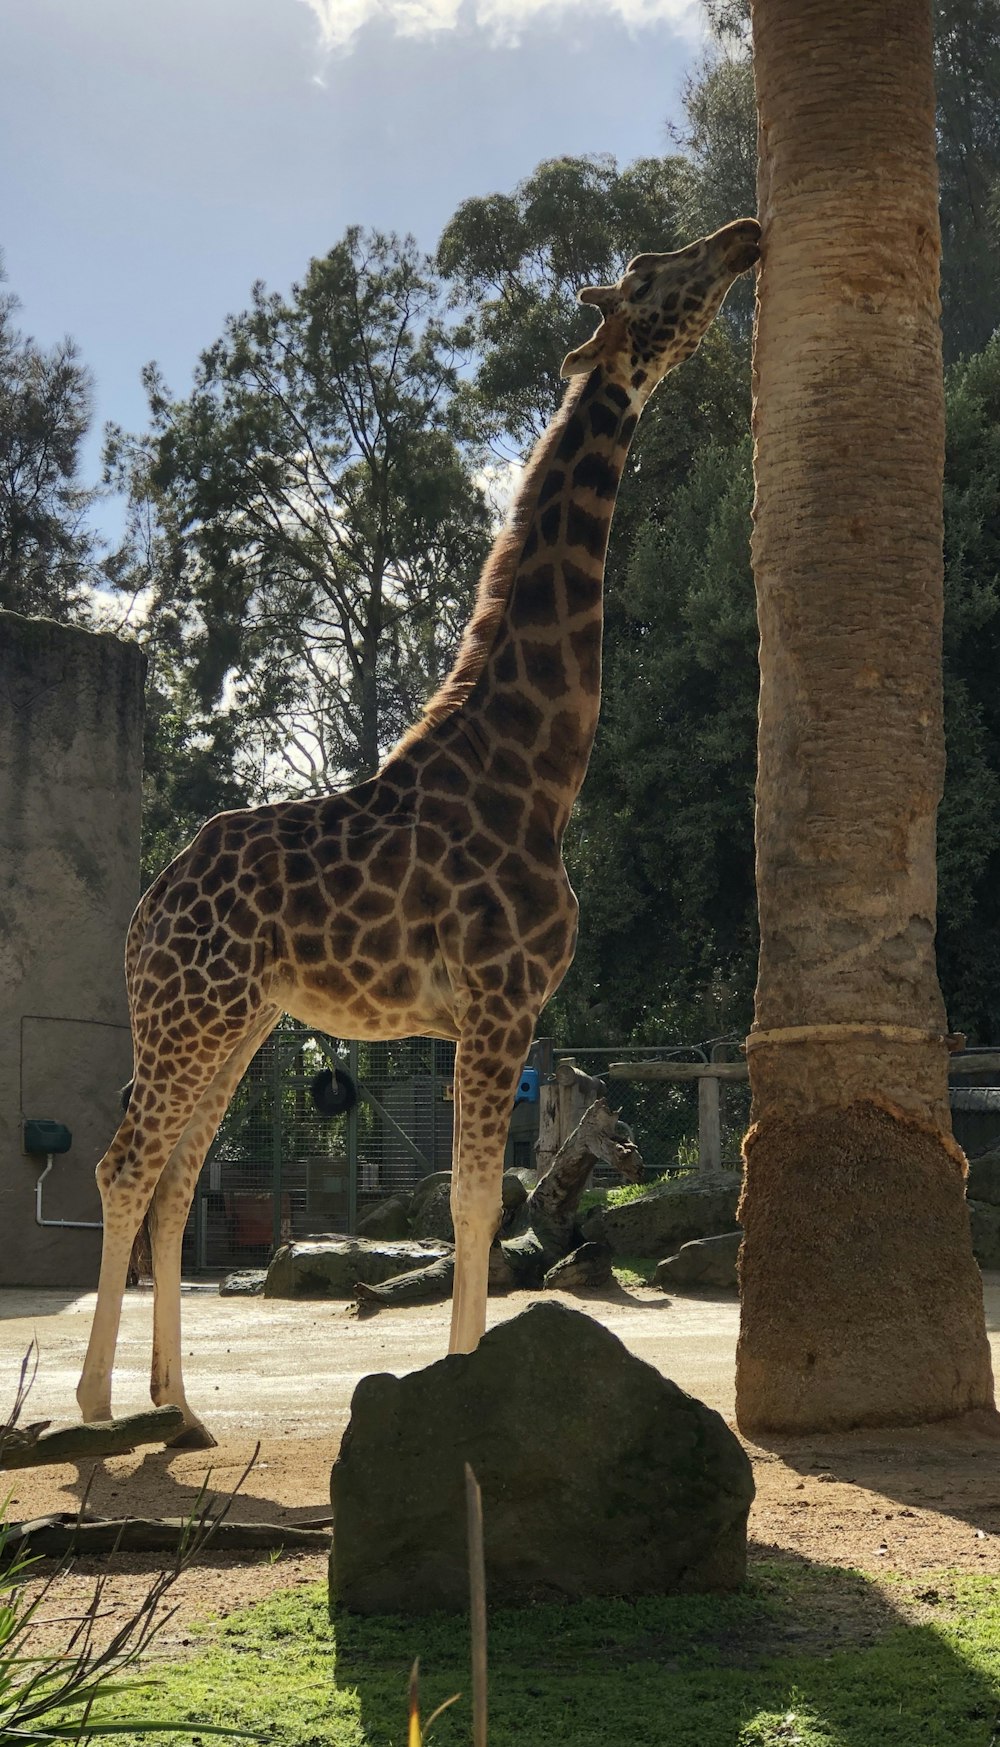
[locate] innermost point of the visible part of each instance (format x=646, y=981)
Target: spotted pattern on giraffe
x=431, y=898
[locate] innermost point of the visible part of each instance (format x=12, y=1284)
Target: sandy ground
x=283, y=1374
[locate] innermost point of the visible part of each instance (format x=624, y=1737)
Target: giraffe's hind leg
x=168, y=1086
x=168, y=1212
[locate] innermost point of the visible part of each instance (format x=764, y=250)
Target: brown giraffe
x=432, y=899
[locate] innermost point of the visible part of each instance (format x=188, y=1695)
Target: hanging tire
x=333, y=1092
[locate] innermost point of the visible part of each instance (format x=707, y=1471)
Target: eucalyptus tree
x=47, y=550
x=319, y=524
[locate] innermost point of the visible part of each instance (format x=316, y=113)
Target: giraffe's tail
x=140, y=1265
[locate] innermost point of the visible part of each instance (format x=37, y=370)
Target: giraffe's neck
x=537, y=698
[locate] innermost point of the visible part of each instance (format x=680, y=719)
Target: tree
x=861, y=1303
x=46, y=549
x=321, y=528
x=967, y=78
x=517, y=260
x=969, y=821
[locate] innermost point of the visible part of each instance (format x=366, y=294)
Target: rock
x=432, y=1216
x=427, y=1186
x=331, y=1267
x=708, y=1261
x=599, y=1477
x=385, y=1219
x=984, y=1179
x=984, y=1219
x=245, y=1283
x=501, y=1275
x=515, y=1190
x=430, y=1204
x=588, y=1265
x=699, y=1204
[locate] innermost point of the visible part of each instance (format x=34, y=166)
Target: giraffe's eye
x=643, y=289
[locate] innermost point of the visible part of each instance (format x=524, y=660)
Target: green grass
x=806, y=1656
x=635, y=1270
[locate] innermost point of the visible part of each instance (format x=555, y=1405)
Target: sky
x=161, y=155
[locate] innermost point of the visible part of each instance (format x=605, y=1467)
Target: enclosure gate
x=278, y=1169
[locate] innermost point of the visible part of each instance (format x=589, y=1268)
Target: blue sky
x=160, y=155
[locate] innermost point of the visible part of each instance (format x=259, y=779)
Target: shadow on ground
x=951, y=1471
x=152, y=1489
x=805, y=1647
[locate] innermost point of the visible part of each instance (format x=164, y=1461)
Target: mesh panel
x=279, y=1169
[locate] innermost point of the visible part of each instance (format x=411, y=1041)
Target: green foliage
x=806, y=1653
x=317, y=530
x=629, y=1192
x=967, y=81
x=518, y=260
x=46, y=551
x=969, y=821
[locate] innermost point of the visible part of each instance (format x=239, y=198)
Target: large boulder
x=431, y=1217
x=430, y=1203
x=388, y=1218
x=984, y=1179
x=706, y=1263
x=984, y=1219
x=331, y=1267
x=427, y=1186
x=599, y=1477
x=698, y=1204
x=588, y=1265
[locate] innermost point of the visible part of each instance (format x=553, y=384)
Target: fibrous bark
x=861, y=1301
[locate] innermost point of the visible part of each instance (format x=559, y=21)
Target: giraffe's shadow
x=804, y=1643
x=154, y=1489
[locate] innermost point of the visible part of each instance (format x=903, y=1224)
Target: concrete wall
x=71, y=707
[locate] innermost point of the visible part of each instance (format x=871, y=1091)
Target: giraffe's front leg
x=487, y=1069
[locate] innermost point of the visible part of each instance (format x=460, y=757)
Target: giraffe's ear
x=584, y=359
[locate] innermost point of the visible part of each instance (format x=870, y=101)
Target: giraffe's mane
x=498, y=576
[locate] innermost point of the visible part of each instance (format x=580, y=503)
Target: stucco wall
x=70, y=767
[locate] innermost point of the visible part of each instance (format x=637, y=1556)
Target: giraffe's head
x=656, y=315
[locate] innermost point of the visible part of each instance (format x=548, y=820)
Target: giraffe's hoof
x=192, y=1437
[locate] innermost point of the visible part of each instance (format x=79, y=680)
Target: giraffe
x=431, y=899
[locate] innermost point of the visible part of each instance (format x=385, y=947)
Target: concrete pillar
x=71, y=711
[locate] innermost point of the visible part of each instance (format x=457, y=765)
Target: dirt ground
x=282, y=1374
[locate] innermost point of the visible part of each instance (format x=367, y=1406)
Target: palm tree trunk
x=861, y=1302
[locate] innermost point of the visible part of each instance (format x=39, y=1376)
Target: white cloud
x=502, y=20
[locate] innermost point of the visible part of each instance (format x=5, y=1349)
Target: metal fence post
x=709, y=1124
x=352, y=1146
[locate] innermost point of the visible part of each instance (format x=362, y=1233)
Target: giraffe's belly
x=418, y=1006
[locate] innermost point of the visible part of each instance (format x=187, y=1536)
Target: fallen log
x=37, y=1447
x=538, y=1234
x=62, y=1533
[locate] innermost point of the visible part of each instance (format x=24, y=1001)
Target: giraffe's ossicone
x=430, y=900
